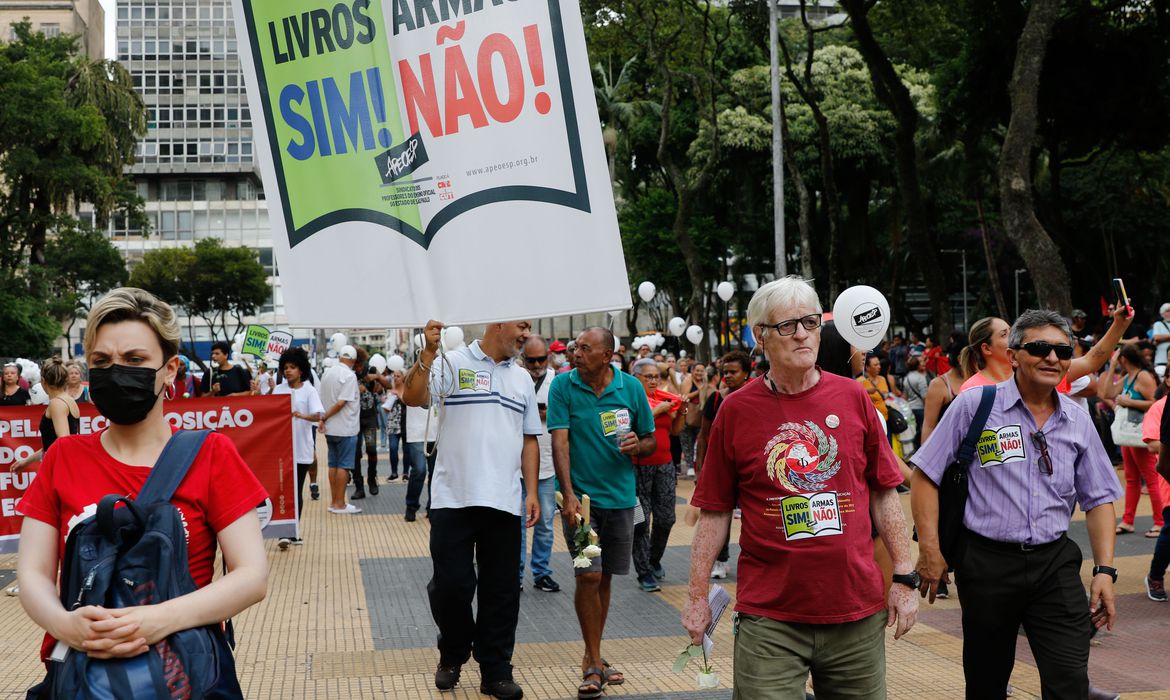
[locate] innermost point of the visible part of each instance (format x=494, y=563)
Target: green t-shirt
x=597, y=466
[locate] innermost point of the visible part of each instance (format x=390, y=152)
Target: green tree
x=228, y=283
x=68, y=127
x=29, y=328
x=80, y=265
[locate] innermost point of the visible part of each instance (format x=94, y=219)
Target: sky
x=111, y=7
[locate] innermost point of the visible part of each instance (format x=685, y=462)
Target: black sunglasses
x=1040, y=348
x=1041, y=444
x=535, y=360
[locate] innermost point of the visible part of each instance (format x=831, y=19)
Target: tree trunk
x=992, y=268
x=893, y=94
x=1040, y=254
x=803, y=198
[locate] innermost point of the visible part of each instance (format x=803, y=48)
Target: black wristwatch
x=912, y=579
x=1099, y=569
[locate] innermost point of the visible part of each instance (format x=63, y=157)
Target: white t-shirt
x=1077, y=387
x=306, y=401
x=545, y=438
x=491, y=407
x=416, y=423
x=1161, y=349
x=340, y=384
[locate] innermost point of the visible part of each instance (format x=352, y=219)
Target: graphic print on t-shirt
x=1000, y=445
x=475, y=381
x=801, y=458
x=811, y=516
x=614, y=422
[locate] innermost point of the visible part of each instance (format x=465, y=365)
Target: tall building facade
x=85, y=18
x=196, y=168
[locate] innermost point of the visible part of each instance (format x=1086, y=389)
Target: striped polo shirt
x=489, y=408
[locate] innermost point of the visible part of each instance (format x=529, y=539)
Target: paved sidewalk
x=347, y=618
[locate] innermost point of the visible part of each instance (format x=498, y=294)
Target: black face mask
x=123, y=394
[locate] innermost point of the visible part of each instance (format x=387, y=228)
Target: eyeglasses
x=1041, y=444
x=649, y=377
x=536, y=360
x=1040, y=348
x=810, y=323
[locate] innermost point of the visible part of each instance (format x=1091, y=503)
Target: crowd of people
x=806, y=440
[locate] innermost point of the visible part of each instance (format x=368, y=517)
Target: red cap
x=557, y=346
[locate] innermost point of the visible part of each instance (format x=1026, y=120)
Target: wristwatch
x=911, y=580
x=1099, y=569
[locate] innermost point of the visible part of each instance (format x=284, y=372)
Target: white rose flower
x=582, y=562
x=707, y=680
x=592, y=551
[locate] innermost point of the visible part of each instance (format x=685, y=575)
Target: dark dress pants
x=1002, y=588
x=475, y=550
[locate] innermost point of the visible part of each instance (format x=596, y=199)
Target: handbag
x=1126, y=428
x=895, y=421
x=953, y=487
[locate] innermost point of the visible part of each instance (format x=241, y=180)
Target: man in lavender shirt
x=1038, y=457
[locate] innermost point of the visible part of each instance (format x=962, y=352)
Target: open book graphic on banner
x=463, y=128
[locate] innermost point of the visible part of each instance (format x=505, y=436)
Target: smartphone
x=1119, y=292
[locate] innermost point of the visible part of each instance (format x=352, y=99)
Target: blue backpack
x=137, y=555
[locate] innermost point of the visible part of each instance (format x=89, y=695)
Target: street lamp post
x=781, y=264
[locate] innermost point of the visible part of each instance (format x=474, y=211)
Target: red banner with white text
x=259, y=426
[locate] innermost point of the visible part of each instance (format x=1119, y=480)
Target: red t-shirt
x=662, y=425
x=77, y=471
x=801, y=468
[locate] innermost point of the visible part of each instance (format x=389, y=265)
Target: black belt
x=1014, y=546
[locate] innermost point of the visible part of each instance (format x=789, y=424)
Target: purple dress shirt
x=1011, y=498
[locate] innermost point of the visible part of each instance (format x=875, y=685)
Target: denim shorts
x=341, y=450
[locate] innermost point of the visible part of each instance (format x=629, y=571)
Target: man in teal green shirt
x=599, y=419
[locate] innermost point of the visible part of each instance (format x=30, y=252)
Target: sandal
x=591, y=689
x=1124, y=529
x=1153, y=532
x=612, y=675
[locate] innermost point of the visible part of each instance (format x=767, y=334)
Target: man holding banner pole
x=489, y=433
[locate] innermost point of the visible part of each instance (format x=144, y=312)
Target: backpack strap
x=967, y=449
x=172, y=466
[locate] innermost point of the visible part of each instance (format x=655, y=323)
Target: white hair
x=786, y=292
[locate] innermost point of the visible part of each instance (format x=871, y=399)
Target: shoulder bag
x=952, y=488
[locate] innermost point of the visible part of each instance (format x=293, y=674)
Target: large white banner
x=431, y=159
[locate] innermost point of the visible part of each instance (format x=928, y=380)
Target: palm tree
x=615, y=111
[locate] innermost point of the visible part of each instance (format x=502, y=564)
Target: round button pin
x=832, y=420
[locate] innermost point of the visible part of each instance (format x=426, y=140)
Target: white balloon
x=862, y=316
x=695, y=334
x=636, y=343
x=452, y=337
x=647, y=290
x=617, y=343
x=725, y=290
x=682, y=353
x=677, y=326
x=396, y=363
x=419, y=341
x=330, y=362
x=337, y=341
x=378, y=362
x=37, y=395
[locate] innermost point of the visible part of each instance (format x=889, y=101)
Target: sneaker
x=405, y=478
x=283, y=543
x=349, y=509
x=446, y=677
x=941, y=591
x=546, y=584
x=12, y=590
x=691, y=473
x=649, y=583
x=503, y=689
x=393, y=477
x=358, y=494
x=297, y=541
x=373, y=488
x=410, y=515
x=314, y=492
x=659, y=572
x=719, y=570
x=1155, y=590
